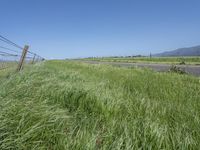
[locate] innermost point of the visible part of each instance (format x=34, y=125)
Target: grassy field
x=168, y=60
x=6, y=64
x=71, y=105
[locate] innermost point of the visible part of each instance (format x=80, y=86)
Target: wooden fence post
x=33, y=59
x=23, y=56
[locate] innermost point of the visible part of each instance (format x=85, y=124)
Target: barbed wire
x=11, y=50
x=2, y=38
x=10, y=57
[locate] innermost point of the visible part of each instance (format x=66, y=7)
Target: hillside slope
x=191, y=51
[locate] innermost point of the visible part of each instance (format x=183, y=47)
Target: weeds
x=176, y=69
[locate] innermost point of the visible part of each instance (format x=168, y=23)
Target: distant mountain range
x=190, y=51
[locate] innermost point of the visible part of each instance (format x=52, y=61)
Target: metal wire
x=9, y=42
x=9, y=58
x=5, y=48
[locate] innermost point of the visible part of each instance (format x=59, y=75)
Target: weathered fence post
x=33, y=59
x=23, y=56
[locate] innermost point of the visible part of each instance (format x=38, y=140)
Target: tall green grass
x=70, y=105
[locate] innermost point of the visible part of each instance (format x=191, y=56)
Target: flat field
x=167, y=60
x=73, y=105
x=6, y=65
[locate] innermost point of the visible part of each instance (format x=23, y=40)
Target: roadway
x=190, y=69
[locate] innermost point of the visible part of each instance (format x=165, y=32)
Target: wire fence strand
x=10, y=58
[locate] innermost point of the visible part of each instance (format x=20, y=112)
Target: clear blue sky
x=81, y=28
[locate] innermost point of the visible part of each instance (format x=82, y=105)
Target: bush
x=176, y=69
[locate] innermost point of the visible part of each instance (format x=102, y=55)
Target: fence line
x=14, y=56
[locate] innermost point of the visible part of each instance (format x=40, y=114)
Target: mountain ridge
x=187, y=51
